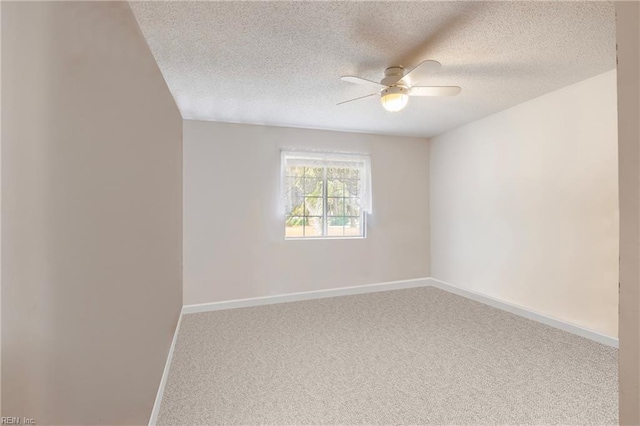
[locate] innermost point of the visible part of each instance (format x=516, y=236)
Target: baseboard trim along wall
x=163, y=381
x=308, y=295
x=398, y=285
x=526, y=313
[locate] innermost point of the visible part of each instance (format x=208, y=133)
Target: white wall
x=524, y=205
x=234, y=243
x=91, y=215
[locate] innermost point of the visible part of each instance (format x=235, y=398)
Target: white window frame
x=361, y=162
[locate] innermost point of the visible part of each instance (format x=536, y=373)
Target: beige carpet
x=417, y=356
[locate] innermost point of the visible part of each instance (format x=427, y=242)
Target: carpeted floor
x=416, y=356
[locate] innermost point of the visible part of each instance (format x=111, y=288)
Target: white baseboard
x=295, y=297
x=526, y=313
x=398, y=285
x=163, y=381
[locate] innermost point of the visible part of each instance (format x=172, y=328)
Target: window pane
x=298, y=227
x=294, y=195
x=351, y=207
x=313, y=186
x=295, y=171
x=314, y=172
x=293, y=231
x=294, y=182
x=336, y=172
x=337, y=220
x=314, y=206
x=297, y=209
x=335, y=230
x=352, y=227
x=351, y=187
x=313, y=227
x=335, y=188
x=294, y=226
x=335, y=206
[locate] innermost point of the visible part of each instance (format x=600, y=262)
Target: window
x=326, y=195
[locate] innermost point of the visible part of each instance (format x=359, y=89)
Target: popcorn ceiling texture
x=279, y=63
x=418, y=356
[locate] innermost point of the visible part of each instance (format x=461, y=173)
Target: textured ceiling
x=279, y=63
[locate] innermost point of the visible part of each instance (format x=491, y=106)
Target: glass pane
x=313, y=186
x=337, y=220
x=295, y=171
x=294, y=195
x=352, y=227
x=335, y=188
x=313, y=227
x=294, y=227
x=314, y=206
x=353, y=174
x=351, y=187
x=314, y=172
x=299, y=227
x=335, y=206
x=335, y=230
x=336, y=173
x=351, y=207
x=291, y=182
x=297, y=207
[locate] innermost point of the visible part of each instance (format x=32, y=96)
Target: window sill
x=323, y=238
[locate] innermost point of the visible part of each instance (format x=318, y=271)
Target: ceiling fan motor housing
x=392, y=75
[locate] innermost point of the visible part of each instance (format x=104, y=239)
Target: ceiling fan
x=396, y=86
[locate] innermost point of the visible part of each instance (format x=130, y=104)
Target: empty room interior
x=329, y=213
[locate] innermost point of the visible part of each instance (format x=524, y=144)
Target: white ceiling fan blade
x=434, y=91
x=362, y=81
x=356, y=99
x=419, y=72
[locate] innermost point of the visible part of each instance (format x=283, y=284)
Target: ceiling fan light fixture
x=394, y=98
